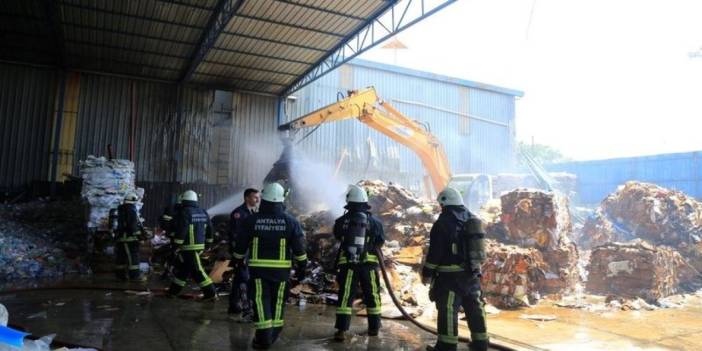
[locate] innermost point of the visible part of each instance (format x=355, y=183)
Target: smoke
x=227, y=205
x=314, y=186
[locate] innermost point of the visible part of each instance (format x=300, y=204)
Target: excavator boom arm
x=383, y=117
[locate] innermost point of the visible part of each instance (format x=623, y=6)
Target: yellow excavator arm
x=367, y=107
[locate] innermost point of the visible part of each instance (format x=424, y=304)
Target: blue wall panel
x=599, y=178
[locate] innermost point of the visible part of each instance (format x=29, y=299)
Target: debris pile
x=41, y=239
x=637, y=269
x=105, y=184
x=405, y=217
x=534, y=219
x=658, y=215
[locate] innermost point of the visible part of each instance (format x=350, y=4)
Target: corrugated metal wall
x=26, y=101
x=255, y=142
x=472, y=145
x=599, y=178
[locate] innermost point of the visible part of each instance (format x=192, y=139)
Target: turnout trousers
x=348, y=277
x=268, y=298
x=187, y=265
x=447, y=304
x=127, y=259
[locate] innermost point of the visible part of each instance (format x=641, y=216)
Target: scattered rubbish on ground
x=538, y=317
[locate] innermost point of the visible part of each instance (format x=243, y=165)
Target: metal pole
x=57, y=134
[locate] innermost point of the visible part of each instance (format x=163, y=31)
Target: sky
x=601, y=78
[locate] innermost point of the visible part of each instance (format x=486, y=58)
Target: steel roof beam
x=319, y=31
x=116, y=47
x=253, y=68
x=320, y=9
x=262, y=55
x=137, y=35
x=219, y=19
x=129, y=15
x=274, y=41
x=390, y=20
x=186, y=4
x=238, y=78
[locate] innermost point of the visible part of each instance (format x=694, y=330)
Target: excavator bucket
x=280, y=172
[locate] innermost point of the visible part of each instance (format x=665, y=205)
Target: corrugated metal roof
x=265, y=46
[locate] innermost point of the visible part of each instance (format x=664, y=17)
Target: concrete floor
x=115, y=320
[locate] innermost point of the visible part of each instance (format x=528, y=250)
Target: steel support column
x=391, y=20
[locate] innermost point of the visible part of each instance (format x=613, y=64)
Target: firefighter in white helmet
x=193, y=232
x=361, y=235
x=274, y=241
x=452, y=265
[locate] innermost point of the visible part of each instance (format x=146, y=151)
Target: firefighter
x=168, y=223
x=193, y=231
x=361, y=235
x=129, y=228
x=168, y=218
x=274, y=240
x=238, y=299
x=452, y=267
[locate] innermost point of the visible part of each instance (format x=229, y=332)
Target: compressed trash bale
x=637, y=269
x=534, y=218
x=511, y=274
x=105, y=184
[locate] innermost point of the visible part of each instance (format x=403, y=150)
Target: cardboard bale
x=511, y=274
x=535, y=218
x=637, y=269
x=531, y=218
x=658, y=215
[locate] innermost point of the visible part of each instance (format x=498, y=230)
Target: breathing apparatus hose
x=431, y=330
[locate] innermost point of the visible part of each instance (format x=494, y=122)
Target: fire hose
x=431, y=330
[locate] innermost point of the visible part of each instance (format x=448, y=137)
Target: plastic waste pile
x=41, y=239
x=105, y=184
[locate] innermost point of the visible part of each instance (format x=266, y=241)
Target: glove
x=426, y=280
x=236, y=263
x=300, y=271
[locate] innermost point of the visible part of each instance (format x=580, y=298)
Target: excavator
x=366, y=106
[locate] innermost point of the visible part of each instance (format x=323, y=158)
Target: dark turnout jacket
x=441, y=263
x=273, y=240
x=375, y=235
x=193, y=227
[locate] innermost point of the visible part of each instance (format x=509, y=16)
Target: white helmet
x=189, y=195
x=131, y=198
x=356, y=194
x=450, y=197
x=273, y=192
